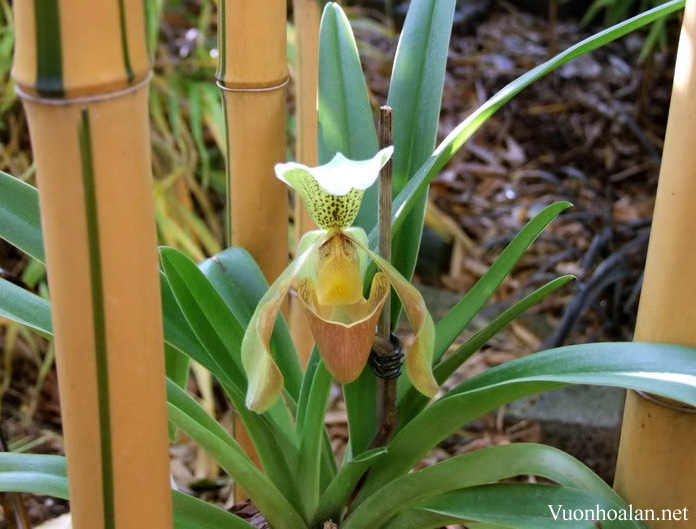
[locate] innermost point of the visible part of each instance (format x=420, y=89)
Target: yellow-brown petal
x=420, y=355
x=265, y=381
x=344, y=334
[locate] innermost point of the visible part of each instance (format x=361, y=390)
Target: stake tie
x=386, y=357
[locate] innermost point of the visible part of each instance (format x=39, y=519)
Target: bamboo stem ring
x=670, y=405
x=250, y=88
x=82, y=100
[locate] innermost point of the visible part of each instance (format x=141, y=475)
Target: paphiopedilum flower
x=328, y=275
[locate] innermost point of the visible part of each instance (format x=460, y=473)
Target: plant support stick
x=384, y=346
x=656, y=466
x=82, y=70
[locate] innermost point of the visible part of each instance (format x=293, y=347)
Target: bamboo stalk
x=307, y=15
x=252, y=76
x=656, y=466
x=82, y=70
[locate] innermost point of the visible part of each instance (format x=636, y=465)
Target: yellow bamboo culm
x=307, y=15
x=656, y=466
x=253, y=76
x=82, y=70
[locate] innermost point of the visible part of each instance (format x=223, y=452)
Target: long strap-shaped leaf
x=224, y=449
x=336, y=496
x=19, y=216
x=241, y=284
x=478, y=468
x=414, y=401
x=668, y=370
x=346, y=123
x=466, y=308
x=513, y=506
x=415, y=94
x=407, y=198
x=45, y=475
x=312, y=436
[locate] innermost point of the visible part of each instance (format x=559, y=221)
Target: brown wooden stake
x=656, y=467
x=386, y=405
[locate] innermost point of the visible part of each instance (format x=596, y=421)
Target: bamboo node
x=82, y=100
x=669, y=404
x=242, y=87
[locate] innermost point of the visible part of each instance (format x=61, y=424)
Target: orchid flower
x=328, y=275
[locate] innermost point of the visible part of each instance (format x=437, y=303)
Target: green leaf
x=510, y=506
x=415, y=95
x=187, y=416
x=192, y=513
x=413, y=401
x=176, y=366
x=361, y=408
x=206, y=312
x=20, y=221
x=407, y=199
x=480, y=467
x=328, y=463
x=450, y=327
x=241, y=284
x=45, y=475
x=668, y=370
x=335, y=497
x=346, y=124
x=456, y=320
x=311, y=437
x=24, y=307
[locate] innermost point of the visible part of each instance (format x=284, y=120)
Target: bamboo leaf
x=510, y=506
x=408, y=197
x=478, y=468
x=20, y=221
x=413, y=401
x=415, y=94
x=667, y=370
x=346, y=124
x=45, y=475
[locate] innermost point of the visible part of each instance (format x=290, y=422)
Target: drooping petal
x=265, y=381
x=344, y=333
x=419, y=356
x=332, y=192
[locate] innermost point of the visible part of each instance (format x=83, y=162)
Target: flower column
x=82, y=70
x=656, y=467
